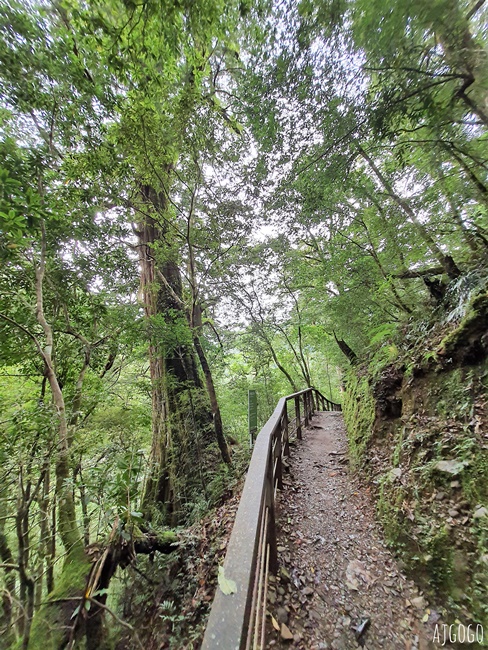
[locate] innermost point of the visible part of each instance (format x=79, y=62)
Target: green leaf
x=100, y=592
x=227, y=586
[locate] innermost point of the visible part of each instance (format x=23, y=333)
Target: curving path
x=338, y=586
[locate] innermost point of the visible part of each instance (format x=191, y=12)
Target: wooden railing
x=238, y=620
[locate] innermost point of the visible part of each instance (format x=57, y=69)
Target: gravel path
x=336, y=577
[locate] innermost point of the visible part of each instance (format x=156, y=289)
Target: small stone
x=455, y=484
x=313, y=613
x=450, y=466
x=284, y=575
x=286, y=635
x=480, y=513
x=282, y=615
x=418, y=602
x=440, y=495
x=453, y=512
x=338, y=644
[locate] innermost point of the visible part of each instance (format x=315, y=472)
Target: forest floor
x=338, y=586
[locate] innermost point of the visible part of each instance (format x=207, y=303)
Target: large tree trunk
x=181, y=411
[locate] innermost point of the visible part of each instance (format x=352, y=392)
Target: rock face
x=427, y=464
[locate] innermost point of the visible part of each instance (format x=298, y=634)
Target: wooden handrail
x=237, y=621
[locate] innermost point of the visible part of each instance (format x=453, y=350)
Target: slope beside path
x=338, y=586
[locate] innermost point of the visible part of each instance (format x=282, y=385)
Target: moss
x=50, y=621
x=464, y=342
x=478, y=593
x=397, y=452
x=439, y=561
x=389, y=503
x=359, y=415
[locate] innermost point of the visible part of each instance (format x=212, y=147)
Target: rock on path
x=336, y=576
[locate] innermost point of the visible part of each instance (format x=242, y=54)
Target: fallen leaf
x=227, y=586
x=275, y=623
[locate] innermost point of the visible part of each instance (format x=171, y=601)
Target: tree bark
x=344, y=347
x=181, y=411
x=219, y=431
x=7, y=558
x=67, y=526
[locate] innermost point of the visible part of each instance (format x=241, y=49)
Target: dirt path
x=335, y=572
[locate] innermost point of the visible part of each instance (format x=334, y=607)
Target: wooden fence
x=238, y=620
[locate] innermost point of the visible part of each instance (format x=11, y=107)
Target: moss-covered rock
x=468, y=342
x=359, y=414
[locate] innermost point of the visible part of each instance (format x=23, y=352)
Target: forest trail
x=336, y=573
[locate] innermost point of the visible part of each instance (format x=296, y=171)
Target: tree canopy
x=198, y=198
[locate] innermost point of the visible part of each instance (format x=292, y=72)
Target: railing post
x=305, y=409
x=286, y=422
x=297, y=416
x=323, y=403
x=279, y=462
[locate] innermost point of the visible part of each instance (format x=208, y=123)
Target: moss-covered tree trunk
x=181, y=411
